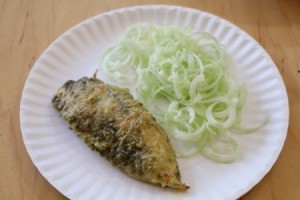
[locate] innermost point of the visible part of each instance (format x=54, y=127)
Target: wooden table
x=27, y=27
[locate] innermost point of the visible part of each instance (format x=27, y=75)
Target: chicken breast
x=112, y=123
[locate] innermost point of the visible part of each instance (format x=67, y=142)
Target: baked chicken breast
x=111, y=122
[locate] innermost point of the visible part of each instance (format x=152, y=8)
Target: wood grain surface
x=27, y=27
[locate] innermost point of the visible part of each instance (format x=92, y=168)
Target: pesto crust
x=111, y=122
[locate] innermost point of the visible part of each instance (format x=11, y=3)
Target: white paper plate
x=79, y=173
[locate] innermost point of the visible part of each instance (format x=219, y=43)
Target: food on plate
x=111, y=122
x=182, y=79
